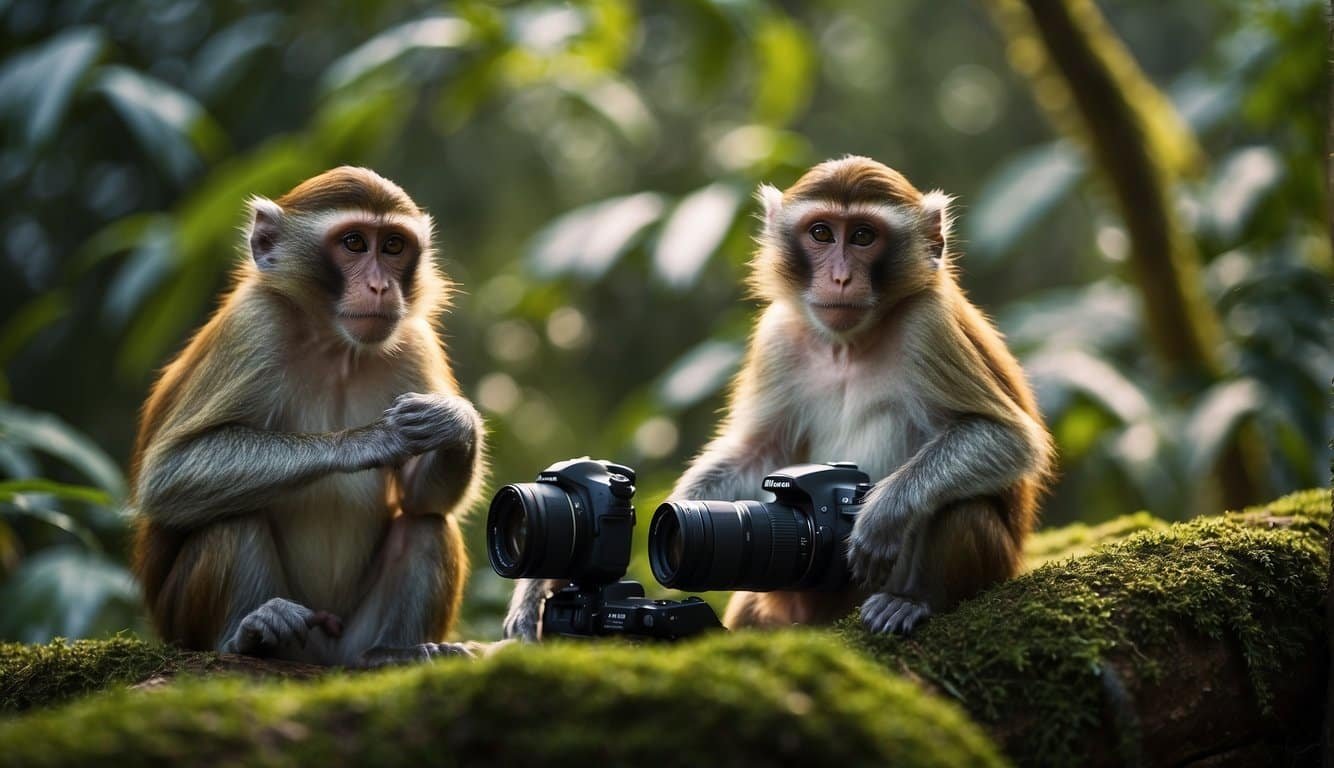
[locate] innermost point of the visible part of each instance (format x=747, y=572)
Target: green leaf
x=1079, y=371
x=171, y=127
x=699, y=373
x=1017, y=196
x=10, y=489
x=621, y=105
x=693, y=231
x=48, y=434
x=587, y=241
x=150, y=263
x=38, y=84
x=1246, y=177
x=1217, y=416
x=64, y=592
x=43, y=508
x=221, y=62
x=437, y=33
x=1102, y=316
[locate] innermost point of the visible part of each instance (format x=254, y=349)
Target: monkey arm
x=436, y=482
x=234, y=468
x=728, y=468
x=972, y=457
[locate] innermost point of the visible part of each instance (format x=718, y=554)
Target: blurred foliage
x=590, y=166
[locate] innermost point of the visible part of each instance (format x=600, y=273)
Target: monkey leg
x=223, y=592
x=962, y=549
x=414, y=596
x=781, y=609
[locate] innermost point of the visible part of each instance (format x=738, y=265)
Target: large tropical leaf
x=38, y=85
x=65, y=592
x=693, y=231
x=171, y=127
x=1018, y=195
x=587, y=241
x=48, y=434
x=436, y=33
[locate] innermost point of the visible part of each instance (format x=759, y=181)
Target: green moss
x=1077, y=539
x=38, y=675
x=744, y=699
x=1034, y=646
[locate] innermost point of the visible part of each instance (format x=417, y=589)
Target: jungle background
x=590, y=166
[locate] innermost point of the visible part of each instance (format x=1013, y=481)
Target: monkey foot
x=886, y=613
x=279, y=622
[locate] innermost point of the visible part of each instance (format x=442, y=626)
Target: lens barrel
x=699, y=546
x=532, y=531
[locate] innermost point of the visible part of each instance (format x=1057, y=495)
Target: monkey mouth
x=368, y=327
x=839, y=316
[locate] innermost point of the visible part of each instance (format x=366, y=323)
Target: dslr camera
x=576, y=523
x=796, y=542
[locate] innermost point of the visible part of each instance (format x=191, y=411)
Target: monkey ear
x=936, y=223
x=265, y=226
x=771, y=198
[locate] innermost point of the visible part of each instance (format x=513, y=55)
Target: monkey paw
x=873, y=547
x=426, y=422
x=893, y=614
x=523, y=625
x=280, y=622
x=388, y=657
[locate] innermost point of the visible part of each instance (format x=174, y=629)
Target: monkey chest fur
x=861, y=410
x=328, y=531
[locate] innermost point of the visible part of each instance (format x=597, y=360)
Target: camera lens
x=706, y=545
x=531, y=531
x=514, y=529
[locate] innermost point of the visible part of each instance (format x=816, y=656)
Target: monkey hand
x=877, y=540
x=279, y=622
x=524, y=623
x=417, y=423
x=885, y=613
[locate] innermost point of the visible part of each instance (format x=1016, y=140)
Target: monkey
x=867, y=350
x=301, y=466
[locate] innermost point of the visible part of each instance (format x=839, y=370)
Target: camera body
x=796, y=542
x=576, y=523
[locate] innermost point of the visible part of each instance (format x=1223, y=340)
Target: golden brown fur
x=271, y=365
x=918, y=388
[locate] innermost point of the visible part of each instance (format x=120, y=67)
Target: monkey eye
x=862, y=236
x=393, y=245
x=822, y=233
x=354, y=242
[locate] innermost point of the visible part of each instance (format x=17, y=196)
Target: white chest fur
x=329, y=529
x=856, y=408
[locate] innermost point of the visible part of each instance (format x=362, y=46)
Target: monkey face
x=843, y=257
x=374, y=260
x=351, y=250
x=847, y=242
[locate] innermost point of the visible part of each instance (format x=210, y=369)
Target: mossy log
x=1196, y=644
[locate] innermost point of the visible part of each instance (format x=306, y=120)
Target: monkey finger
x=259, y=634
x=872, y=610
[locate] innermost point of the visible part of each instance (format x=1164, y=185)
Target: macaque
x=301, y=466
x=868, y=351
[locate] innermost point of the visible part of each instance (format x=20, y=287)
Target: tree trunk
x=1092, y=88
